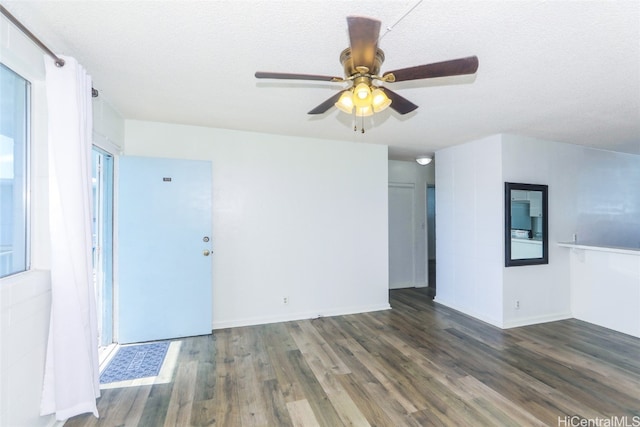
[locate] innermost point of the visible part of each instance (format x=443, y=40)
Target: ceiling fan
x=361, y=62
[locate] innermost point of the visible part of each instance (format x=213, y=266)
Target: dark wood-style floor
x=419, y=364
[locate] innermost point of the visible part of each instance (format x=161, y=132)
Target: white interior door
x=164, y=244
x=401, y=236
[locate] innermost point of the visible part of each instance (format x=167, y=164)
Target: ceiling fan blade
x=363, y=36
x=291, y=76
x=400, y=104
x=326, y=104
x=454, y=67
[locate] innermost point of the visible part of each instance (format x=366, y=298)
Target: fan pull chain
x=355, y=122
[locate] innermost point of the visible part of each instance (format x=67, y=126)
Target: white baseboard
x=55, y=423
x=408, y=285
x=513, y=323
x=534, y=320
x=296, y=316
x=468, y=312
x=403, y=285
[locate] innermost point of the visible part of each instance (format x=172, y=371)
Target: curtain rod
x=58, y=61
x=14, y=21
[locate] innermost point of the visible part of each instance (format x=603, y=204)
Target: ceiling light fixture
x=424, y=160
x=363, y=99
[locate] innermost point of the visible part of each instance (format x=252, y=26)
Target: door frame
x=430, y=231
x=411, y=186
x=108, y=147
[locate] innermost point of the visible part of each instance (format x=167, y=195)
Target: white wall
x=606, y=185
x=295, y=217
x=25, y=298
x=469, y=228
x=411, y=173
x=543, y=290
x=25, y=307
x=108, y=126
x=591, y=192
x=605, y=288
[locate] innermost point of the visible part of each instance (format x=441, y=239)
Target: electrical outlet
x=517, y=304
x=285, y=300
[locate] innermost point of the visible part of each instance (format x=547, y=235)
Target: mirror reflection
x=525, y=224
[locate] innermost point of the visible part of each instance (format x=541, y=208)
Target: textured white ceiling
x=561, y=70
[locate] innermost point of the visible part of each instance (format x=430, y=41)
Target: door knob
x=206, y=252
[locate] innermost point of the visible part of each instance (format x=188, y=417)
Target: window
x=14, y=172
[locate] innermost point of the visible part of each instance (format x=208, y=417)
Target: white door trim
x=412, y=187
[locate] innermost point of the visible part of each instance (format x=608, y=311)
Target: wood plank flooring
x=419, y=364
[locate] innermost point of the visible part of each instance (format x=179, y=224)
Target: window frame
x=28, y=138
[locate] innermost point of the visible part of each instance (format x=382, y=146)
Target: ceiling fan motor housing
x=351, y=69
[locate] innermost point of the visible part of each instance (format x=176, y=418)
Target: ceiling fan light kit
x=362, y=95
x=379, y=101
x=345, y=103
x=361, y=63
x=363, y=100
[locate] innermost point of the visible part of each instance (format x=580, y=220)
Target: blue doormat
x=135, y=361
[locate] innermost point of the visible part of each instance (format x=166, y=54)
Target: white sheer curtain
x=71, y=383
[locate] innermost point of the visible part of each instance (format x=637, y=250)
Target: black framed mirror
x=526, y=224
